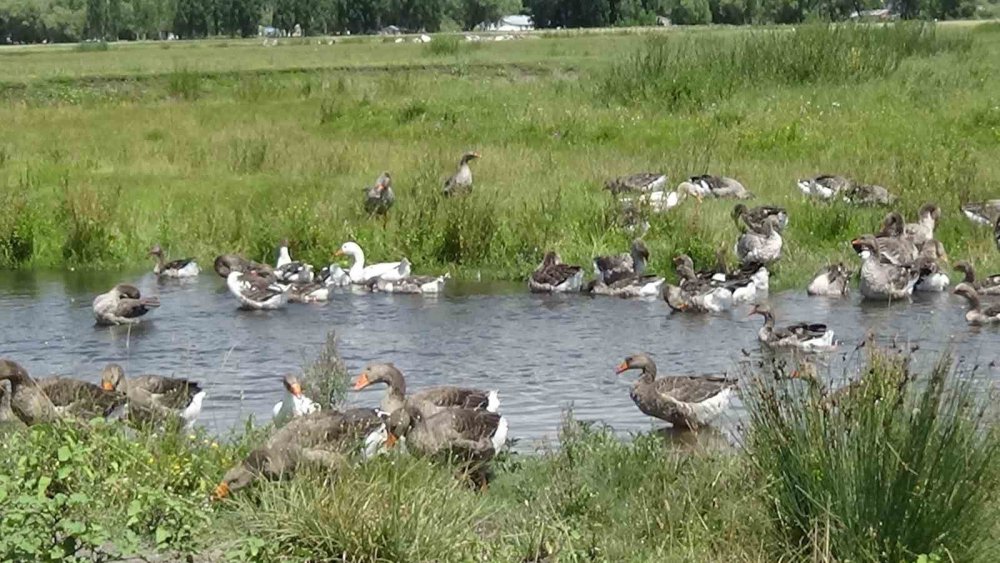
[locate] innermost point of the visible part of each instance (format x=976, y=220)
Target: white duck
x=255, y=292
x=364, y=275
x=412, y=284
x=295, y=404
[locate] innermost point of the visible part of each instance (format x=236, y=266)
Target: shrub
x=691, y=12
x=443, y=45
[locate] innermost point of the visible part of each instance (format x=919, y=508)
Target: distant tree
x=470, y=13
x=691, y=12
x=191, y=18
x=546, y=13
x=97, y=19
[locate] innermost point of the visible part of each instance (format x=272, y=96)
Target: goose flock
x=896, y=260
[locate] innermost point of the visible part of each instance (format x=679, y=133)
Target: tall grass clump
x=92, y=46
x=185, y=84
x=325, y=378
x=88, y=215
x=702, y=70
x=892, y=466
x=444, y=45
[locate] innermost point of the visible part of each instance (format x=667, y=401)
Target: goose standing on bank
x=831, y=281
x=427, y=401
x=295, y=403
x=363, y=275
x=883, y=281
x=824, y=186
x=976, y=315
x=932, y=276
x=174, y=396
x=461, y=181
x=984, y=213
x=804, y=336
x=552, y=276
x=923, y=230
x=291, y=271
x=27, y=400
x=754, y=217
x=761, y=247
x=122, y=305
x=642, y=182
x=684, y=401
x=379, y=198
x=707, y=185
x=323, y=439
x=256, y=293
x=989, y=285
x=184, y=268
x=610, y=269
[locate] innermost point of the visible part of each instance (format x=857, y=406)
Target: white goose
x=288, y=270
x=295, y=404
x=363, y=275
x=256, y=293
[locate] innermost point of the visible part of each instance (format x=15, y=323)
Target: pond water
x=543, y=353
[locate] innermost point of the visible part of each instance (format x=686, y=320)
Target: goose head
x=292, y=384
x=683, y=261
x=399, y=424
x=930, y=212
x=738, y=211
x=156, y=250
x=112, y=377
x=13, y=372
x=258, y=463
x=381, y=373
x=468, y=157
x=966, y=268
x=967, y=291
x=864, y=246
x=126, y=291
x=384, y=182
x=350, y=249
x=640, y=361
x=892, y=225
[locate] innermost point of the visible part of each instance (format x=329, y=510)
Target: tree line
x=35, y=21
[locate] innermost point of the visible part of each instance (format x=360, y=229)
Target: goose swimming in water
x=804, y=336
x=831, y=281
x=977, y=315
x=255, y=292
x=610, y=269
x=989, y=285
x=184, y=268
x=461, y=181
x=122, y=305
x=363, y=275
x=552, y=276
x=226, y=263
x=880, y=280
x=698, y=297
x=632, y=286
x=932, y=276
x=291, y=271
x=379, y=198
x=427, y=401
x=684, y=401
x=425, y=285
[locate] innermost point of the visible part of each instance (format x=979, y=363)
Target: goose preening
x=27, y=400
x=322, y=439
x=379, y=198
x=426, y=285
x=295, y=403
x=634, y=183
x=977, y=315
x=923, y=230
x=989, y=285
x=880, y=280
x=755, y=217
x=804, y=336
x=932, y=275
x=985, y=213
x=166, y=396
x=122, y=305
x=291, y=271
x=761, y=247
x=683, y=401
x=824, y=186
x=707, y=185
x=461, y=181
x=610, y=269
x=255, y=292
x=427, y=401
x=183, y=268
x=552, y=276
x=891, y=244
x=832, y=281
x=226, y=263
x=361, y=274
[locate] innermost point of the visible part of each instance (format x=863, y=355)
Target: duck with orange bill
x=427, y=401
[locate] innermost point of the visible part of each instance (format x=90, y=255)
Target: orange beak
x=622, y=368
x=221, y=492
x=107, y=386
x=361, y=382
x=338, y=253
x=296, y=390
x=390, y=441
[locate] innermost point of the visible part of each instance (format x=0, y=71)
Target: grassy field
x=229, y=146
x=901, y=468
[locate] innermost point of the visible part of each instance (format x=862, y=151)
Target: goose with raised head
x=291, y=271
x=169, y=396
x=989, y=285
x=610, y=269
x=682, y=400
x=684, y=268
x=880, y=280
x=647, y=182
x=122, y=305
x=824, y=186
x=755, y=217
x=424, y=285
x=932, y=276
x=27, y=400
x=890, y=243
x=226, y=263
x=923, y=230
x=977, y=315
x=706, y=185
x=427, y=401
x=461, y=181
x=323, y=439
x=804, y=336
x=379, y=198
x=985, y=213
x=255, y=292
x=362, y=274
x=832, y=281
x=183, y=268
x=761, y=247
x=295, y=403
x=552, y=276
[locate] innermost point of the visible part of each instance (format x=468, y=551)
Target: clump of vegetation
x=185, y=84
x=92, y=46
x=325, y=379
x=444, y=45
x=890, y=466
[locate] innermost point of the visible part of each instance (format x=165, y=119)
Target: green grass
x=209, y=147
x=901, y=469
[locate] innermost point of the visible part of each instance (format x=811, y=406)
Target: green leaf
x=43, y=484
x=63, y=453
x=162, y=535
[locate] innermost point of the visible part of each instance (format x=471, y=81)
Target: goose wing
x=554, y=274
x=172, y=392
x=692, y=389
x=81, y=398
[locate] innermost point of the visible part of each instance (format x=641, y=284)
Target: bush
x=691, y=12
x=443, y=45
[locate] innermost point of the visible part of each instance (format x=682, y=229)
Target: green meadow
x=217, y=146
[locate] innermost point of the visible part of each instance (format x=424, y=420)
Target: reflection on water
x=543, y=353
